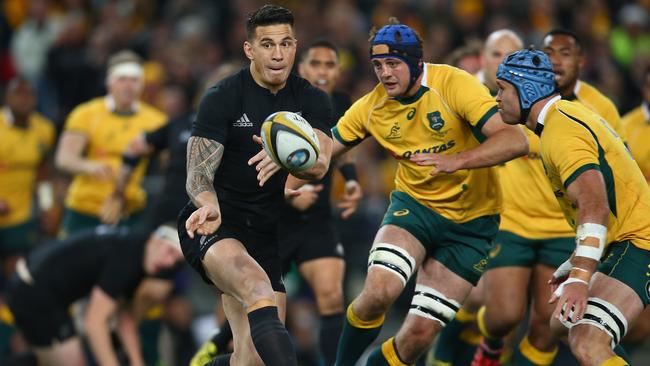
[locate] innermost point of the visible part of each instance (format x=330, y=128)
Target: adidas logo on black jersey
x=243, y=121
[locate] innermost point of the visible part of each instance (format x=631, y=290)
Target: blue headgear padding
x=399, y=41
x=531, y=73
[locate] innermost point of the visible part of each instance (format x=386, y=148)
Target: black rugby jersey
x=109, y=258
x=232, y=112
x=172, y=136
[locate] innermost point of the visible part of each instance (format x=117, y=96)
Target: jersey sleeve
x=350, y=130
x=159, y=137
x=470, y=99
x=123, y=271
x=213, y=115
x=571, y=152
x=318, y=110
x=78, y=120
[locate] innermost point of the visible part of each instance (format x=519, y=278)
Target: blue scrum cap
x=399, y=41
x=531, y=73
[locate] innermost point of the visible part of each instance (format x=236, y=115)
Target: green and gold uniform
x=22, y=150
x=533, y=228
x=108, y=134
x=637, y=127
x=590, y=97
x=445, y=117
x=574, y=140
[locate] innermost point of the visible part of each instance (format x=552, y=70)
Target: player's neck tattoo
x=203, y=158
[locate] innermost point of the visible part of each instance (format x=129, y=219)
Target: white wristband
x=45, y=192
x=596, y=231
x=560, y=289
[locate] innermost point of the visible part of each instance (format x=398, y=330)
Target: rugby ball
x=290, y=141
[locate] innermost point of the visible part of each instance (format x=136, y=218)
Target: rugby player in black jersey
x=106, y=263
x=307, y=233
x=228, y=230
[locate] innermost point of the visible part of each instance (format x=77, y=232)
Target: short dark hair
x=320, y=42
x=267, y=15
x=568, y=33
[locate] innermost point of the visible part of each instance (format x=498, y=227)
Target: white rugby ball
x=290, y=141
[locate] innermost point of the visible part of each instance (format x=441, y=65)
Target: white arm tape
x=595, y=231
x=560, y=289
x=563, y=270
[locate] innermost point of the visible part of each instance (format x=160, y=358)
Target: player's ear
x=248, y=50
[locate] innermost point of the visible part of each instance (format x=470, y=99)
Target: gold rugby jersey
x=21, y=152
x=445, y=116
x=108, y=135
x=637, y=128
x=574, y=140
x=593, y=99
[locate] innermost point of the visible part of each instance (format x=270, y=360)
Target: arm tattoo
x=203, y=159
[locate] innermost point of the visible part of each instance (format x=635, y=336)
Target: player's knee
x=500, y=323
x=329, y=298
x=374, y=300
x=256, y=290
x=421, y=334
x=585, y=348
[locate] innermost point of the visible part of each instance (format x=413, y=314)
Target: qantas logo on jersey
x=243, y=121
x=433, y=149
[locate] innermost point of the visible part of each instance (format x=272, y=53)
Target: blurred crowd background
x=61, y=47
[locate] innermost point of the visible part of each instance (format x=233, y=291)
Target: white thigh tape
x=392, y=258
x=431, y=304
x=604, y=316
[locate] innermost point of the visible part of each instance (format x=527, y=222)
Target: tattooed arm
x=203, y=158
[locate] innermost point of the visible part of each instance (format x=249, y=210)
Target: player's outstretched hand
x=112, y=209
x=204, y=221
x=351, y=198
x=264, y=165
x=306, y=198
x=441, y=163
x=570, y=295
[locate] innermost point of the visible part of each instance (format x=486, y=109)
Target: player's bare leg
x=505, y=305
x=68, y=352
x=237, y=274
x=539, y=347
x=325, y=276
x=423, y=322
x=365, y=315
x=591, y=345
x=462, y=330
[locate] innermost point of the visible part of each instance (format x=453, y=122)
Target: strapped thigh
x=604, y=316
x=431, y=304
x=392, y=258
